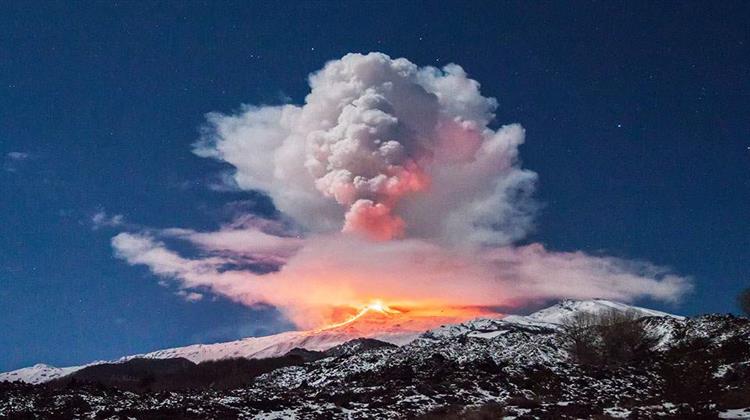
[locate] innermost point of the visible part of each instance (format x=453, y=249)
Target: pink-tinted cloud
x=332, y=271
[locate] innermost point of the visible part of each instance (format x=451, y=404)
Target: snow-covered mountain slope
x=37, y=374
x=391, y=330
x=251, y=348
x=562, y=311
x=543, y=320
x=517, y=367
x=524, y=369
x=273, y=345
x=375, y=326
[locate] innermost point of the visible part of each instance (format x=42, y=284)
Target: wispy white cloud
x=101, y=219
x=17, y=155
x=223, y=182
x=13, y=160
x=189, y=296
x=246, y=240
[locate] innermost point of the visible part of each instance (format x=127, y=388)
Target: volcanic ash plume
x=406, y=198
x=385, y=148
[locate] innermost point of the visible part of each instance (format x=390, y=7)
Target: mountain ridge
x=277, y=345
x=522, y=367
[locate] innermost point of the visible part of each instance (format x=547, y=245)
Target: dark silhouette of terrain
x=142, y=375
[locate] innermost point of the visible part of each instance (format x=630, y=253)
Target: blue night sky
x=637, y=117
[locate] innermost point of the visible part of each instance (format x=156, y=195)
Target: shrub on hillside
x=608, y=338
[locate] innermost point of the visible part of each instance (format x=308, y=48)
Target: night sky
x=637, y=120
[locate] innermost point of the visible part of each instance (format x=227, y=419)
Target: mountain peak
x=558, y=313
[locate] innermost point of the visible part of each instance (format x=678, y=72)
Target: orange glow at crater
x=377, y=315
x=376, y=306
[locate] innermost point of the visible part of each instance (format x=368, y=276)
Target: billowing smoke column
x=403, y=150
x=404, y=194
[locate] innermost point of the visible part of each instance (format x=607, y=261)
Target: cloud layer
x=334, y=271
x=404, y=193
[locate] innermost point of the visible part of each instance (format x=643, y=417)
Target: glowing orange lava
x=379, y=316
x=375, y=306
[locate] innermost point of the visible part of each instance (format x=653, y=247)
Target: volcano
x=398, y=326
x=376, y=321
x=490, y=367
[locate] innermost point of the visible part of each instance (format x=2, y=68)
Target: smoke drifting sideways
x=405, y=193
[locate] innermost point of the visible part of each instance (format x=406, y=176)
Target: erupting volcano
x=376, y=307
x=376, y=317
x=399, y=202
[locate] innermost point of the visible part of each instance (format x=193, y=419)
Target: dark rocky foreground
x=695, y=368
